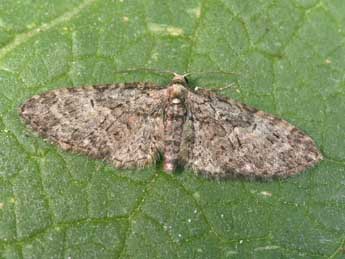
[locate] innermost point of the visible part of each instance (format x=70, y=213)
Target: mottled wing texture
x=231, y=140
x=121, y=123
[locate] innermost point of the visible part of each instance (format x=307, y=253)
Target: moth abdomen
x=175, y=112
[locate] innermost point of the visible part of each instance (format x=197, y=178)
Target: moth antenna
x=153, y=70
x=215, y=90
x=211, y=72
x=157, y=71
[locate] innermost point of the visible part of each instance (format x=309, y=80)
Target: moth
x=131, y=125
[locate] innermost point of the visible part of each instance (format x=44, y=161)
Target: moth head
x=180, y=79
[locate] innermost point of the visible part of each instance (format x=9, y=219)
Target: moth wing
x=121, y=123
x=231, y=139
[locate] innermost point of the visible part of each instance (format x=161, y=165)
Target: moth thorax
x=176, y=91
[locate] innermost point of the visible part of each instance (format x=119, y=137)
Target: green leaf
x=289, y=56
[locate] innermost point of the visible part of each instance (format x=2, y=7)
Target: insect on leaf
x=130, y=124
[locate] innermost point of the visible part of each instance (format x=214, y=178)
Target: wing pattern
x=120, y=123
x=231, y=139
